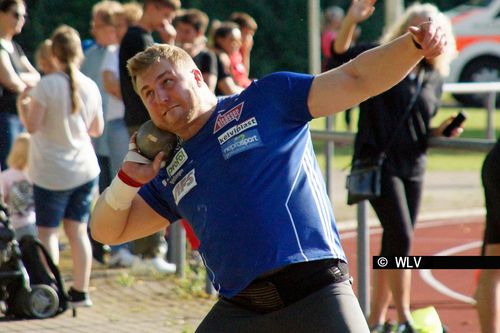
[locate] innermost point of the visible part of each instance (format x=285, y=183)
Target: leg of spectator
x=380, y=299
x=488, y=295
x=50, y=239
x=81, y=252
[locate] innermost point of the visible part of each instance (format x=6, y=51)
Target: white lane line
x=378, y=230
x=427, y=276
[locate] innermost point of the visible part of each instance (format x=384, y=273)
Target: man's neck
x=206, y=109
x=145, y=24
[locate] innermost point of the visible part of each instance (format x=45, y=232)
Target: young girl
x=44, y=58
x=17, y=188
x=62, y=112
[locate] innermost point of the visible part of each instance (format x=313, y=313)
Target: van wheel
x=43, y=301
x=481, y=69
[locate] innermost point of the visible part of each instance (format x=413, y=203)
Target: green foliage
x=281, y=42
x=46, y=15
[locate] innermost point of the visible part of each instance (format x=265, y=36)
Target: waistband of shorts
x=290, y=284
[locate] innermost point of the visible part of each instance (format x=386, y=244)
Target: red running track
x=460, y=236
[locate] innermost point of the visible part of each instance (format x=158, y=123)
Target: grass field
x=438, y=159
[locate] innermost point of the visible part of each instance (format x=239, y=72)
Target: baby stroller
x=27, y=289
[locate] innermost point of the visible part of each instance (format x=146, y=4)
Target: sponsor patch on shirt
x=235, y=130
x=228, y=116
x=177, y=162
x=183, y=187
x=245, y=141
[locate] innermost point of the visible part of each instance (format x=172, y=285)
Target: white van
x=477, y=30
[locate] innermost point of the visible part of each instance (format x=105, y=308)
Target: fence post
x=490, y=107
x=363, y=247
x=329, y=152
x=179, y=248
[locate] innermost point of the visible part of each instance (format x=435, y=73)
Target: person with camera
x=393, y=131
x=246, y=178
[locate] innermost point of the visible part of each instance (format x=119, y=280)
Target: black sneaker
x=387, y=327
x=405, y=328
x=78, y=299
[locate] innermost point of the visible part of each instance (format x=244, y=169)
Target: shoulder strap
x=420, y=80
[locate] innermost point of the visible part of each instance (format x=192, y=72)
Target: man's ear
x=198, y=76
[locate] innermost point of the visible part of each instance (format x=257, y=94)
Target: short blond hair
x=18, y=156
x=142, y=61
x=105, y=10
x=133, y=12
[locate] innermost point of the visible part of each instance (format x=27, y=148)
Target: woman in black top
x=403, y=169
x=16, y=73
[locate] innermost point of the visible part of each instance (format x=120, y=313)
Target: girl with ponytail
x=62, y=113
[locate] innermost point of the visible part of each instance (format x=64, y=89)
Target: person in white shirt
x=62, y=113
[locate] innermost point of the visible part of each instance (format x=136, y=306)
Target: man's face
x=104, y=34
x=162, y=14
x=169, y=95
x=186, y=33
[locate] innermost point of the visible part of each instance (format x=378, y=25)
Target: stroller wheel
x=42, y=301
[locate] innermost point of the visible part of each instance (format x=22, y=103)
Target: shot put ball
x=151, y=140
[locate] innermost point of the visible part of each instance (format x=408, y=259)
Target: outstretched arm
x=374, y=71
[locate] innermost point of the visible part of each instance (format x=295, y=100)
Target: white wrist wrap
x=119, y=195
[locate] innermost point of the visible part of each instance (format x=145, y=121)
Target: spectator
x=247, y=180
x=191, y=26
x=248, y=27
x=226, y=84
x=16, y=73
x=157, y=16
x=404, y=166
x=488, y=287
x=62, y=162
x=228, y=39
x=104, y=33
x=332, y=18
x=17, y=188
x=44, y=58
x=117, y=134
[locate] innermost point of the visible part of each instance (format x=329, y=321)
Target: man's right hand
x=140, y=172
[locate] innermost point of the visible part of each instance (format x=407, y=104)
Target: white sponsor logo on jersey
x=183, y=187
x=235, y=130
x=225, y=118
x=177, y=162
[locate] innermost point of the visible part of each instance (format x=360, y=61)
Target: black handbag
x=364, y=182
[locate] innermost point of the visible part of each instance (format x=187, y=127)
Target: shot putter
x=151, y=140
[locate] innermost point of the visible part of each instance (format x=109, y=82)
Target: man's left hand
x=430, y=37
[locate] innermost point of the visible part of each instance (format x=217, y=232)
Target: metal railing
x=490, y=89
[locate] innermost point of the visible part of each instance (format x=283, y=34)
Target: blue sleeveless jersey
x=249, y=184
